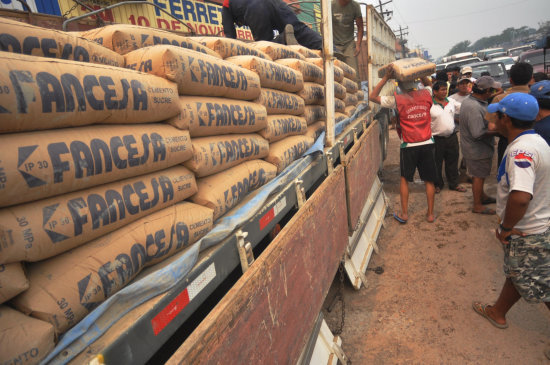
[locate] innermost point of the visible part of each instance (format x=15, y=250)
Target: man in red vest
x=414, y=129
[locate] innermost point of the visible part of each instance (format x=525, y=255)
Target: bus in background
x=487, y=51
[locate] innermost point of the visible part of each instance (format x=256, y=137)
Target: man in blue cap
x=541, y=92
x=523, y=205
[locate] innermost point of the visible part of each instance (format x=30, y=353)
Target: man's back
x=476, y=144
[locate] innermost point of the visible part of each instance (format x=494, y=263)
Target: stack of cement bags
x=92, y=187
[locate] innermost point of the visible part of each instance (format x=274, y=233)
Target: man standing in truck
x=344, y=14
x=414, y=129
x=264, y=16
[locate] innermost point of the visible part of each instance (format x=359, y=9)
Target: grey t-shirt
x=343, y=21
x=475, y=143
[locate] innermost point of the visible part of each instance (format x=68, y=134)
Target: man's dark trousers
x=446, y=149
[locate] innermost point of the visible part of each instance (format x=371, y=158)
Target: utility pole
x=402, y=32
x=381, y=10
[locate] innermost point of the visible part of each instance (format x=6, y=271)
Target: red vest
x=414, y=115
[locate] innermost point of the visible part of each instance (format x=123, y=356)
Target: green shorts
x=527, y=264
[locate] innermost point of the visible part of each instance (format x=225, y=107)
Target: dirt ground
x=419, y=311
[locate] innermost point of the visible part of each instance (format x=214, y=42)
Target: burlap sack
x=204, y=116
x=409, y=69
x=310, y=72
x=280, y=102
x=315, y=130
x=23, y=340
x=350, y=109
x=338, y=72
x=225, y=189
x=217, y=153
x=18, y=37
x=41, y=229
x=272, y=75
x=43, y=93
x=312, y=93
x=196, y=73
x=282, y=126
x=314, y=113
x=124, y=38
x=339, y=105
x=304, y=51
x=227, y=47
x=83, y=278
x=360, y=94
x=282, y=153
x=349, y=71
x=351, y=86
x=339, y=91
x=277, y=51
x=37, y=165
x=12, y=281
x=338, y=117
x=350, y=99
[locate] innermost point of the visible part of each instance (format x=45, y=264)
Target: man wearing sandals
x=444, y=131
x=523, y=205
x=476, y=141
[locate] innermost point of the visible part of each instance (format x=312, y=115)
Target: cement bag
x=339, y=91
x=351, y=86
x=37, y=165
x=339, y=105
x=312, y=93
x=315, y=130
x=304, y=51
x=45, y=228
x=18, y=37
x=314, y=113
x=338, y=72
x=196, y=73
x=338, y=117
x=360, y=94
x=23, y=340
x=350, y=99
x=272, y=75
x=281, y=102
x=65, y=288
x=227, y=47
x=409, y=69
x=218, y=153
x=282, y=126
x=204, y=116
x=43, y=93
x=349, y=71
x=12, y=281
x=225, y=189
x=350, y=109
x=277, y=51
x=282, y=153
x=310, y=72
x=124, y=38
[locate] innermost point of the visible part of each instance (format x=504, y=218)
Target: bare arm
x=360, y=26
x=516, y=206
x=374, y=95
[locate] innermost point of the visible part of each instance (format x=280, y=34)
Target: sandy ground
x=419, y=310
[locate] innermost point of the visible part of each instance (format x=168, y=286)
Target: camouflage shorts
x=527, y=264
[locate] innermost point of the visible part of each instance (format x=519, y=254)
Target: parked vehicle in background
x=450, y=65
x=536, y=58
x=496, y=70
x=507, y=60
x=516, y=51
x=492, y=56
x=487, y=51
x=460, y=56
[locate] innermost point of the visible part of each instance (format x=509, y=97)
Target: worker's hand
x=357, y=49
x=505, y=236
x=389, y=72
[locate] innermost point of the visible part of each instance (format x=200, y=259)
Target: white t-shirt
x=526, y=167
x=443, y=118
x=459, y=99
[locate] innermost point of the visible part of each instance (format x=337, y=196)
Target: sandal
x=486, y=211
x=481, y=309
x=460, y=189
x=488, y=200
x=437, y=190
x=399, y=219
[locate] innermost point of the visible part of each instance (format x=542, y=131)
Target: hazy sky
x=439, y=25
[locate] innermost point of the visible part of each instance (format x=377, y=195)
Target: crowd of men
x=450, y=115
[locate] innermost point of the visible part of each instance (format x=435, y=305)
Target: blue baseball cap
x=541, y=89
x=520, y=106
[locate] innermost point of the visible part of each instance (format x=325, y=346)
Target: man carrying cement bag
x=414, y=129
x=264, y=16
